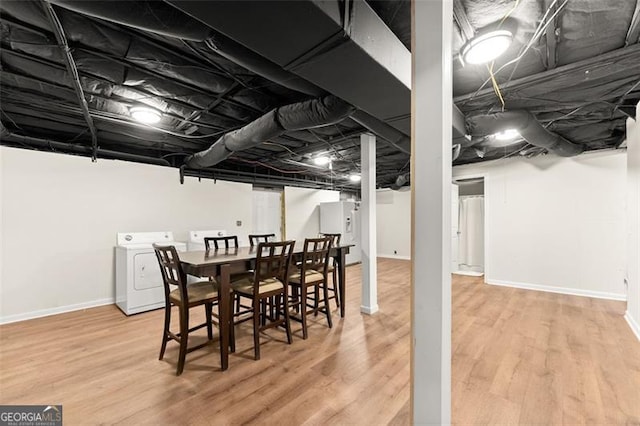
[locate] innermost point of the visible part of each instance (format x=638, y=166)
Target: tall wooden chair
x=184, y=297
x=255, y=239
x=230, y=241
x=311, y=274
x=270, y=281
x=333, y=289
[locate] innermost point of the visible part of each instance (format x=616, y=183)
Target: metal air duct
x=153, y=16
x=341, y=47
x=302, y=115
x=529, y=128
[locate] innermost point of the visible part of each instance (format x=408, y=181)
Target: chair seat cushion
x=197, y=292
x=311, y=276
x=244, y=286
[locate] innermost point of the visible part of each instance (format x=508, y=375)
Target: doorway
x=468, y=227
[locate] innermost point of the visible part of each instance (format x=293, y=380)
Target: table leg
x=341, y=263
x=224, y=309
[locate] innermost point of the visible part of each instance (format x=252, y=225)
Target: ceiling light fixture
x=145, y=115
x=321, y=160
x=486, y=47
x=354, y=178
x=507, y=135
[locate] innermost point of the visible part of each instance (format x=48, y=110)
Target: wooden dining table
x=219, y=263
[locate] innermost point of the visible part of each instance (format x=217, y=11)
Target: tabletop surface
x=236, y=254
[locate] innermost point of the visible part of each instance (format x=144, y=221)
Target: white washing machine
x=196, y=238
x=139, y=286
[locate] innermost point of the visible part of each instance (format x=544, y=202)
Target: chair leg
x=165, y=333
x=327, y=307
x=263, y=311
x=208, y=309
x=237, y=296
x=256, y=328
x=336, y=293
x=184, y=338
x=303, y=310
x=316, y=302
x=274, y=307
x=287, y=321
x=232, y=335
x=277, y=306
x=296, y=299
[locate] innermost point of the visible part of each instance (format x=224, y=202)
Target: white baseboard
x=635, y=327
x=469, y=273
x=560, y=290
x=369, y=309
x=394, y=256
x=57, y=310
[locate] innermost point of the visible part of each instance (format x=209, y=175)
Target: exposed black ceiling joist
x=552, y=36
x=72, y=71
x=139, y=91
x=192, y=87
x=630, y=52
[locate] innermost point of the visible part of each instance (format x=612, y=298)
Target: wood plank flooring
x=518, y=357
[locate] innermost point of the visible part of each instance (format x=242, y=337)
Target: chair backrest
x=171, y=270
x=273, y=261
x=230, y=241
x=335, y=238
x=316, y=254
x=255, y=239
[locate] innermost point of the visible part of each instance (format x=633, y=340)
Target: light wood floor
x=518, y=357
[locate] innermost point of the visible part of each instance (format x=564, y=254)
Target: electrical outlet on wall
x=238, y=223
x=395, y=252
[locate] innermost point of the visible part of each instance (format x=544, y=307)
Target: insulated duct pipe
x=7, y=136
x=528, y=127
x=299, y=116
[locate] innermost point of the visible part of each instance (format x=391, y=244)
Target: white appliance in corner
x=196, y=238
x=343, y=217
x=139, y=286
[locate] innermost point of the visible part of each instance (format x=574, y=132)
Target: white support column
x=431, y=211
x=368, y=231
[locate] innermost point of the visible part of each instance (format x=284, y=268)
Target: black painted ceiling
x=577, y=78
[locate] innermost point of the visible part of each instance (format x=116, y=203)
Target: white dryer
x=139, y=286
x=196, y=238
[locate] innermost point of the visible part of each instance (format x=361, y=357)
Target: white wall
x=394, y=224
x=556, y=224
x=302, y=211
x=633, y=224
x=60, y=216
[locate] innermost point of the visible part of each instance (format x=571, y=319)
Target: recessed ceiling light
x=486, y=47
x=354, y=178
x=321, y=160
x=145, y=115
x=507, y=135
